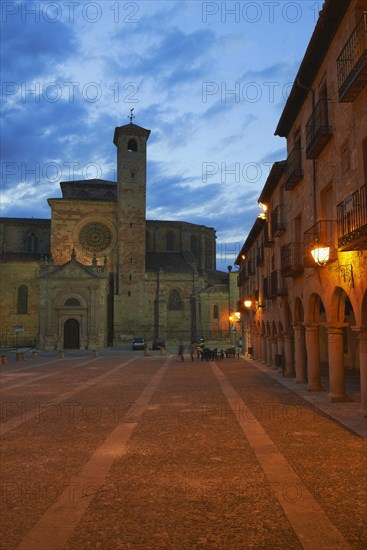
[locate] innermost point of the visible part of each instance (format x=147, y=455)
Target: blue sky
x=209, y=79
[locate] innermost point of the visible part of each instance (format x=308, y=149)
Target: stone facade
x=305, y=315
x=98, y=273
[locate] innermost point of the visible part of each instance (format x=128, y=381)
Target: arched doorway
x=71, y=334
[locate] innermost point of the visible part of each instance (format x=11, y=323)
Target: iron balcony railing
x=293, y=169
x=277, y=284
x=352, y=63
x=352, y=221
x=318, y=131
x=278, y=220
x=292, y=259
x=274, y=285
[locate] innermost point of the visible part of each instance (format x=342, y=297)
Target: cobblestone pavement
x=123, y=451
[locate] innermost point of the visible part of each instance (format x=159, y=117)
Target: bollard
x=162, y=351
x=61, y=353
x=4, y=359
x=146, y=352
x=34, y=354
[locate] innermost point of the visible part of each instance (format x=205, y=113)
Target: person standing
x=181, y=350
x=193, y=349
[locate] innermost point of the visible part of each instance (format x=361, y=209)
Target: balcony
x=319, y=235
x=352, y=63
x=292, y=260
x=318, y=131
x=277, y=284
x=352, y=221
x=278, y=220
x=274, y=285
x=293, y=169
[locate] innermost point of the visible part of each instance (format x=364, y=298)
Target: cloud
x=30, y=45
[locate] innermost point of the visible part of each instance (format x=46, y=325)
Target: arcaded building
x=97, y=273
x=303, y=266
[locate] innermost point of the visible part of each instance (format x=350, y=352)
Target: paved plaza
x=125, y=451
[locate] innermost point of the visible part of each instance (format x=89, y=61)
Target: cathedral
x=98, y=273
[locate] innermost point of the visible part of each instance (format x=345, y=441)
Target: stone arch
x=316, y=310
x=72, y=302
x=65, y=295
x=338, y=304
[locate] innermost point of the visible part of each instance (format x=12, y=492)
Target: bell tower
x=129, y=310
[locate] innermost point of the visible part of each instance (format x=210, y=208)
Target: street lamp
x=321, y=256
x=252, y=305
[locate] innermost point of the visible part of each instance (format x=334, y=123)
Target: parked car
x=138, y=343
x=158, y=343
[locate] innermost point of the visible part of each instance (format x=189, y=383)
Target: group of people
x=193, y=350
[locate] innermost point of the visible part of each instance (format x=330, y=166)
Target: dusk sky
x=209, y=79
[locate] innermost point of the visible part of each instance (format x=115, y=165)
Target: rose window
x=95, y=237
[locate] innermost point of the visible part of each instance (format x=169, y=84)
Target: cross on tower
x=131, y=116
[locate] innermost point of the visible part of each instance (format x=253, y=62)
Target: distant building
x=97, y=273
x=303, y=267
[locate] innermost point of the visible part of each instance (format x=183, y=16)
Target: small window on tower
x=132, y=145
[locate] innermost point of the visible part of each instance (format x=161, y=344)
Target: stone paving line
x=21, y=418
x=13, y=370
x=303, y=515
x=347, y=414
x=47, y=533
x=43, y=376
